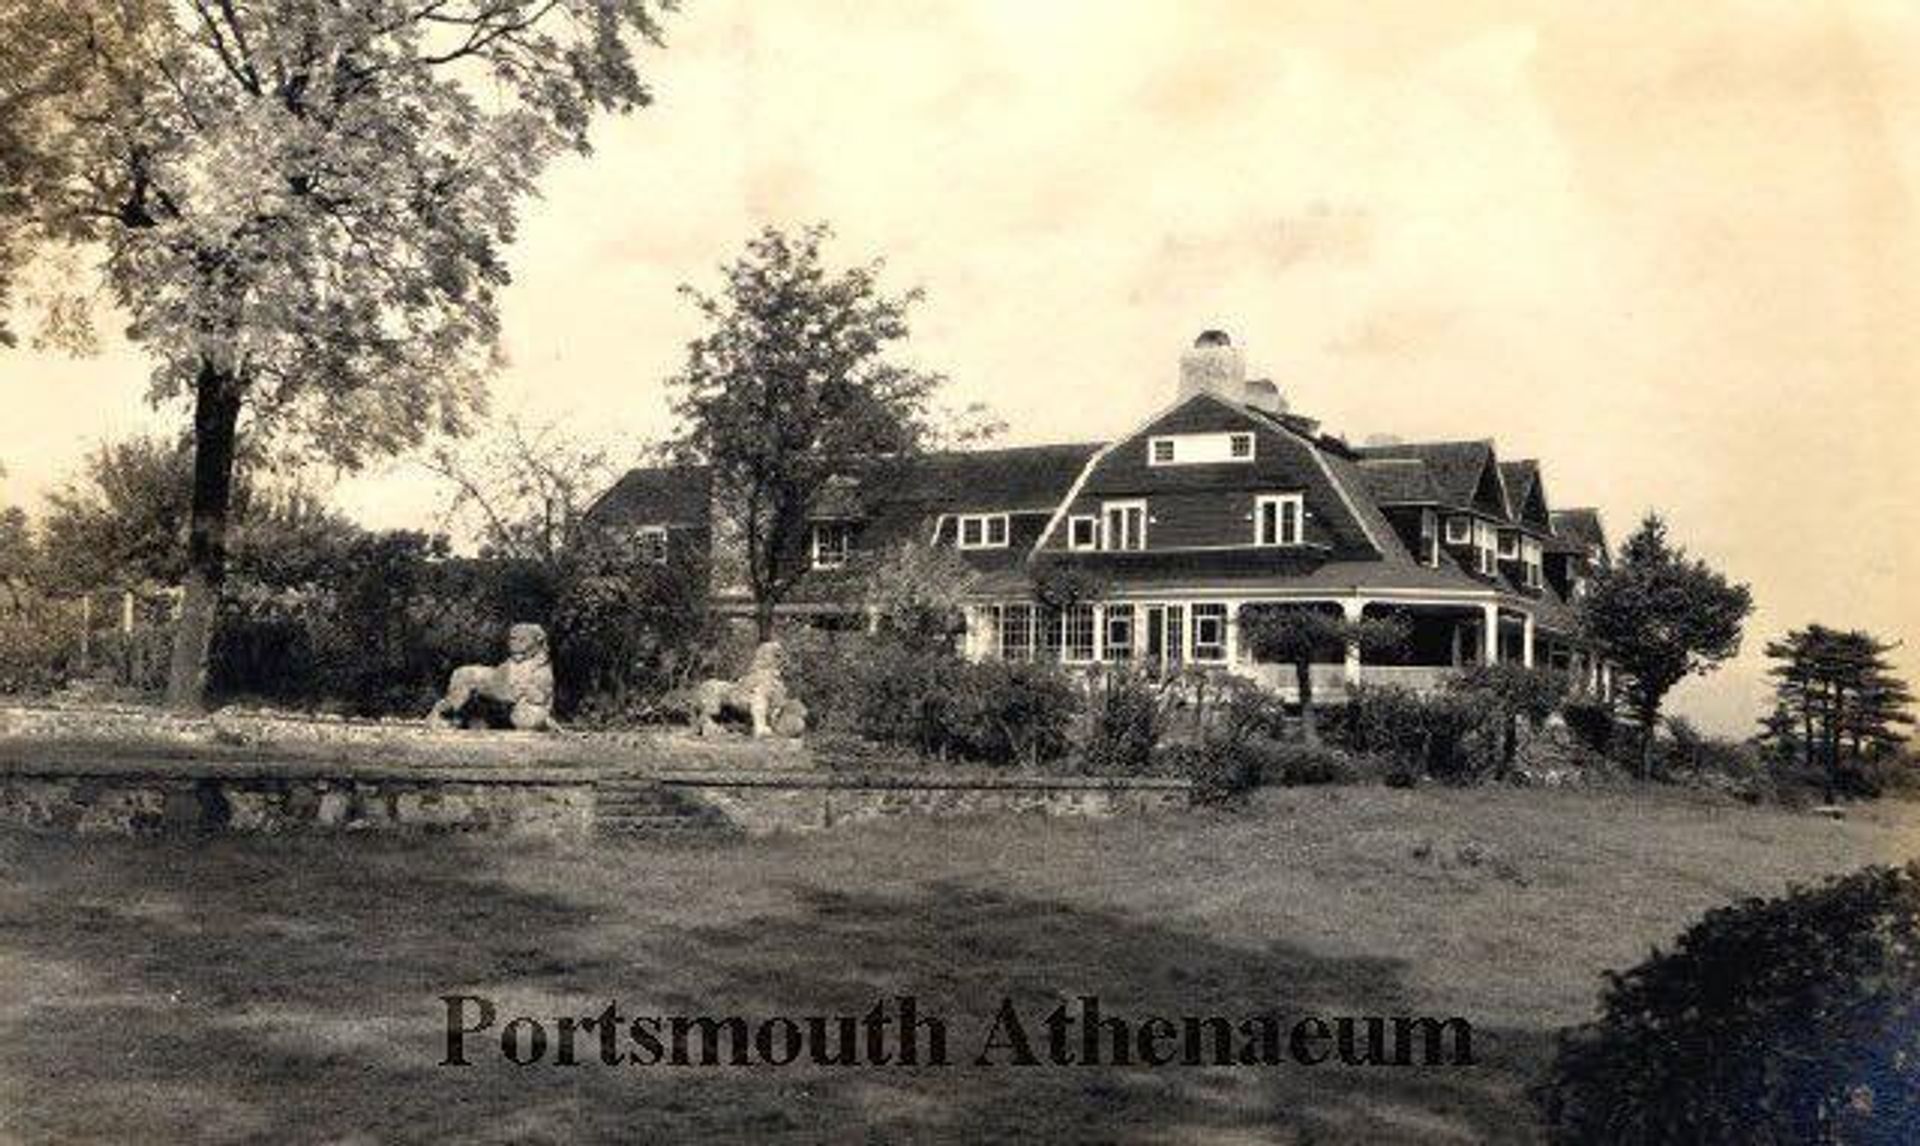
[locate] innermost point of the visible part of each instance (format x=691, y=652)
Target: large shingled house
x=1223, y=499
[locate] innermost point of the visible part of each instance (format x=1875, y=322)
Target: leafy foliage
x=1299, y=636
x=300, y=207
x=1787, y=1020
x=791, y=391
x=916, y=592
x=1661, y=617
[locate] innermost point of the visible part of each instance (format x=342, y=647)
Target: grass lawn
x=286, y=989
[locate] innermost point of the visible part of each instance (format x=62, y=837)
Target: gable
x=1211, y=504
x=1489, y=493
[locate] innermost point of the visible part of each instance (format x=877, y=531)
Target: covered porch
x=1443, y=636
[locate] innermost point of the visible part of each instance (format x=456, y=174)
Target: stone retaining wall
x=175, y=797
x=764, y=803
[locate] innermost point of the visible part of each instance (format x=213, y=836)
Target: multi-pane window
x=1083, y=532
x=1485, y=547
x=1509, y=544
x=1125, y=525
x=831, y=542
x=1209, y=632
x=1119, y=633
x=650, y=544
x=1459, y=530
x=1531, y=560
x=1016, y=633
x=1200, y=449
x=983, y=531
x=1278, y=519
x=1077, y=635
x=1047, y=632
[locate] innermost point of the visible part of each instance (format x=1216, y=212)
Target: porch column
x=1526, y=639
x=1099, y=633
x=1353, y=608
x=1232, y=650
x=1489, y=634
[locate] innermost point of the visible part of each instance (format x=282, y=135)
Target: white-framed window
x=1459, y=530
x=1083, y=531
x=1210, y=632
x=1016, y=633
x=1532, y=560
x=1123, y=525
x=1119, y=645
x=1076, y=643
x=650, y=544
x=1509, y=545
x=832, y=540
x=1200, y=449
x=1429, y=537
x=983, y=531
x=1279, y=519
x=1486, y=545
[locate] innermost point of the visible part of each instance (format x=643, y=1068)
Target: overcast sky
x=1672, y=254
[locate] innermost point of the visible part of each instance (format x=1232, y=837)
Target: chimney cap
x=1213, y=338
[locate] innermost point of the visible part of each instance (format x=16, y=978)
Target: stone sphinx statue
x=517, y=693
x=759, y=695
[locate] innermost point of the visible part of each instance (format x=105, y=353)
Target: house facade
x=1222, y=500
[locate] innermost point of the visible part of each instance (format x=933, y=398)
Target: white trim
x=1205, y=448
x=985, y=521
x=1279, y=501
x=1333, y=479
x=1092, y=519
x=1123, y=505
x=1100, y=455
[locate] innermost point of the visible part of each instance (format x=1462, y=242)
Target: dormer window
x=1509, y=545
x=1083, y=531
x=832, y=541
x=1279, y=519
x=1429, y=538
x=1486, y=545
x=1123, y=525
x=1459, y=530
x=1532, y=562
x=983, y=531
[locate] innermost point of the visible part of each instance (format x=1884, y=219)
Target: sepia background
x=1671, y=250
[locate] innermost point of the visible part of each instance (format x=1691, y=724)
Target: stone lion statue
x=759, y=695
x=518, y=692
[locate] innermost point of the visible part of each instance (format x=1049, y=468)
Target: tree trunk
x=216, y=417
x=763, y=619
x=1649, y=720
x=1309, y=729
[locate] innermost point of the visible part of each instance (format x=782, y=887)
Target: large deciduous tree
x=301, y=208
x=790, y=393
x=1661, y=617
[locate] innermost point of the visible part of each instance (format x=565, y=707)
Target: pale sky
x=1670, y=249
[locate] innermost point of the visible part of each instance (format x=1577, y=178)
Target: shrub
x=1127, y=719
x=1295, y=765
x=1014, y=713
x=1787, y=1020
x=1387, y=720
x=1592, y=721
x=39, y=642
